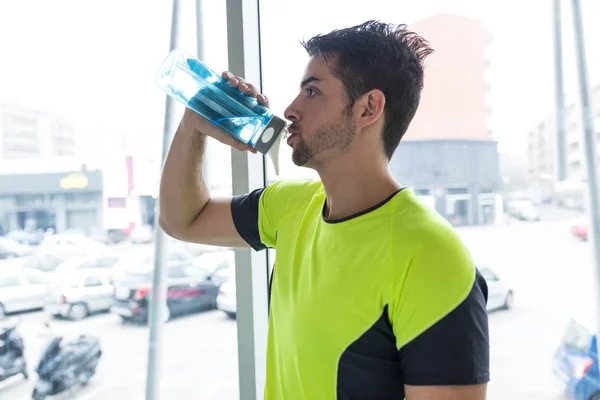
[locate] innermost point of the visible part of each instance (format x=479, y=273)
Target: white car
x=142, y=234
x=500, y=294
x=77, y=293
x=226, y=300
x=219, y=265
x=524, y=210
x=21, y=289
x=71, y=245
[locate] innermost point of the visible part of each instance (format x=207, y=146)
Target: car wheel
x=509, y=301
x=78, y=311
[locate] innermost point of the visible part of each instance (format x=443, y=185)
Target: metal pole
x=589, y=142
x=561, y=162
x=251, y=272
x=200, y=56
x=158, y=293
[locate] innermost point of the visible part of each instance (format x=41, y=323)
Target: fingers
x=245, y=87
x=229, y=140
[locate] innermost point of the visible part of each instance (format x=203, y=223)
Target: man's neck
x=353, y=188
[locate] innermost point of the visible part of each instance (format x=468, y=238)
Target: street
x=551, y=272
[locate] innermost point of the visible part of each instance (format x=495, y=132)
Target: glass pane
x=80, y=157
x=92, y=281
x=481, y=151
x=9, y=281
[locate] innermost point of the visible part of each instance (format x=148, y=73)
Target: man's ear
x=371, y=106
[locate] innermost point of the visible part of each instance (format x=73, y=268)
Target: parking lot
x=551, y=272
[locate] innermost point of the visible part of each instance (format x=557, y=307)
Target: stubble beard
x=337, y=135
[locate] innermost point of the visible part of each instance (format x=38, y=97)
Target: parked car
x=39, y=262
x=105, y=261
x=21, y=290
x=219, y=265
x=110, y=236
x=500, y=294
x=580, y=229
x=66, y=245
x=524, y=210
x=75, y=294
x=575, y=363
x=12, y=249
x=189, y=289
x=226, y=299
x=142, y=234
x=25, y=238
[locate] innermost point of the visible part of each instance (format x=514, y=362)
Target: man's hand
x=468, y=392
x=196, y=123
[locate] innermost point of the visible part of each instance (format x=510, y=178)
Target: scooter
x=12, y=361
x=66, y=365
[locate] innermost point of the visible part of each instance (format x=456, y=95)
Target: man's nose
x=292, y=113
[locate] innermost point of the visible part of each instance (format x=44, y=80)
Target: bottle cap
x=269, y=141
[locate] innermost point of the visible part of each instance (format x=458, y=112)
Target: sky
x=95, y=61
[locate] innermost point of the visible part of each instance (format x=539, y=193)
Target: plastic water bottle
x=206, y=92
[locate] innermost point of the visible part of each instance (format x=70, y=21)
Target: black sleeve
x=244, y=210
x=454, y=351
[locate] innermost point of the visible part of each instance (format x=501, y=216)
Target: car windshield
x=577, y=336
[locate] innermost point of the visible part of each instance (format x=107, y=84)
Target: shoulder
x=292, y=191
x=424, y=234
x=432, y=270
x=284, y=197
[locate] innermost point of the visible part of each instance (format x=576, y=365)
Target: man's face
x=322, y=125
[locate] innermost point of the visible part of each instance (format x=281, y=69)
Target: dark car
x=190, y=289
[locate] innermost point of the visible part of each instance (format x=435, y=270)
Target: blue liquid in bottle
x=201, y=89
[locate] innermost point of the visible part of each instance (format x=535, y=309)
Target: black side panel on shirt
x=370, y=367
x=454, y=351
x=244, y=210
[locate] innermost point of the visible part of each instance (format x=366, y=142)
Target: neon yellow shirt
x=364, y=305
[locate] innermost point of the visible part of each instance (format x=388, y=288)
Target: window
x=115, y=202
x=92, y=281
x=101, y=262
x=176, y=272
x=175, y=257
x=9, y=281
x=194, y=272
x=35, y=279
x=488, y=275
x=452, y=191
x=50, y=126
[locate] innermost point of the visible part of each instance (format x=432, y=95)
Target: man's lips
x=291, y=137
x=292, y=133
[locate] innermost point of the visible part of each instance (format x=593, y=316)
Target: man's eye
x=310, y=92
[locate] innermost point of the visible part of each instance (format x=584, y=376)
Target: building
x=542, y=153
x=57, y=201
x=448, y=155
x=39, y=149
x=34, y=141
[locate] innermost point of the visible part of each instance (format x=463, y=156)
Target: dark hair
x=376, y=55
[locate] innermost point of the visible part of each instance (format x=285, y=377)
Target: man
x=373, y=295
